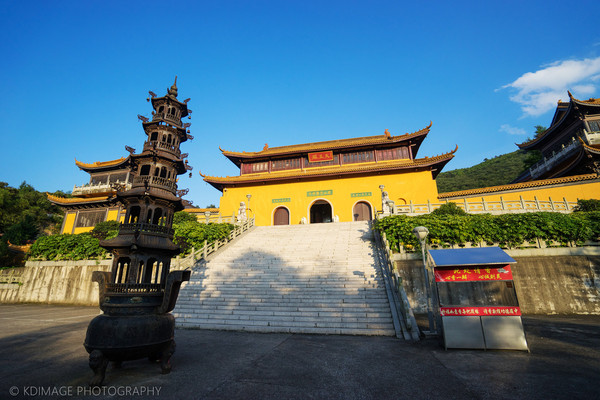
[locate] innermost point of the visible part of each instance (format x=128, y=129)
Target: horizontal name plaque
x=320, y=156
x=315, y=193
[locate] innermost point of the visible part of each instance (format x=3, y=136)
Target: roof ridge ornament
x=387, y=134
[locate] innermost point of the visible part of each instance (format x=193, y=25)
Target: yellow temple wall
x=342, y=193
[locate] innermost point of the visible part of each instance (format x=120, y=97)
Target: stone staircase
x=320, y=278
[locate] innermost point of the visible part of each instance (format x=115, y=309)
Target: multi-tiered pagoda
x=140, y=291
x=571, y=145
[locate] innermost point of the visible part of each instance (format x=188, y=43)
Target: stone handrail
x=402, y=305
x=11, y=278
x=209, y=248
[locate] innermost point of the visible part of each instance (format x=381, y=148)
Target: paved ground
x=43, y=357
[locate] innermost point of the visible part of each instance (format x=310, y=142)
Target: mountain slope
x=499, y=170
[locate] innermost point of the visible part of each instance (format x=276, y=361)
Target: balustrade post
x=466, y=205
x=205, y=250
x=410, y=206
x=522, y=202
x=551, y=203
x=537, y=203
x=428, y=206
x=566, y=204
x=483, y=204
x=502, y=203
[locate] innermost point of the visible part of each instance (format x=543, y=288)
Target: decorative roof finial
x=173, y=90
x=387, y=134
x=569, y=93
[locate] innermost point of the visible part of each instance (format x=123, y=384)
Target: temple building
x=337, y=180
x=571, y=145
x=96, y=200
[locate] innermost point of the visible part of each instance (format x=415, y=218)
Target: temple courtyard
x=43, y=357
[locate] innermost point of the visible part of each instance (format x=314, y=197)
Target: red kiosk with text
x=477, y=300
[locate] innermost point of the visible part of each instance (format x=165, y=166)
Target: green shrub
x=509, y=230
x=190, y=234
x=66, y=247
x=449, y=209
x=105, y=230
x=587, y=205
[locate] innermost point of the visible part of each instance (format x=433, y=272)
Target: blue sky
x=77, y=73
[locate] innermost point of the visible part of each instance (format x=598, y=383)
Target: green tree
x=449, y=209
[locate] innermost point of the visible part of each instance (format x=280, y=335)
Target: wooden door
x=281, y=216
x=362, y=211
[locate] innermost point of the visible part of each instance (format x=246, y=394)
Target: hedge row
x=509, y=230
x=188, y=234
x=66, y=247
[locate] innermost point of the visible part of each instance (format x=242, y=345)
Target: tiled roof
x=101, y=164
x=591, y=149
x=328, y=145
x=332, y=170
x=76, y=200
x=521, y=185
x=561, y=104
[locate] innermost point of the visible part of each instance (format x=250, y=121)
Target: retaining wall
x=56, y=282
x=547, y=281
x=557, y=283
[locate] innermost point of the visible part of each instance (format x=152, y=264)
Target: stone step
x=306, y=279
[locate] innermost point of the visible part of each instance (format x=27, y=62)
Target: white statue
x=241, y=217
x=303, y=221
x=387, y=205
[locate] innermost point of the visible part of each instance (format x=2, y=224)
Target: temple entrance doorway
x=320, y=212
x=281, y=216
x=362, y=211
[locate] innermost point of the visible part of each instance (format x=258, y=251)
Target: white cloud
x=537, y=92
x=512, y=130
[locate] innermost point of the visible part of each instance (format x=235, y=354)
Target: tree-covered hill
x=499, y=170
x=25, y=214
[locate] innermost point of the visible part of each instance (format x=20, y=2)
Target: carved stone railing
x=547, y=163
x=209, y=248
x=399, y=298
x=484, y=206
x=145, y=228
x=163, y=183
x=102, y=187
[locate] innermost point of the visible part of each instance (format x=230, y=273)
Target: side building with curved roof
x=96, y=200
x=571, y=144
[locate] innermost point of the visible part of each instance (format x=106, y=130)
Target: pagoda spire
x=173, y=90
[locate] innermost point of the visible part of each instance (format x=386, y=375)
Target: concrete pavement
x=43, y=357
